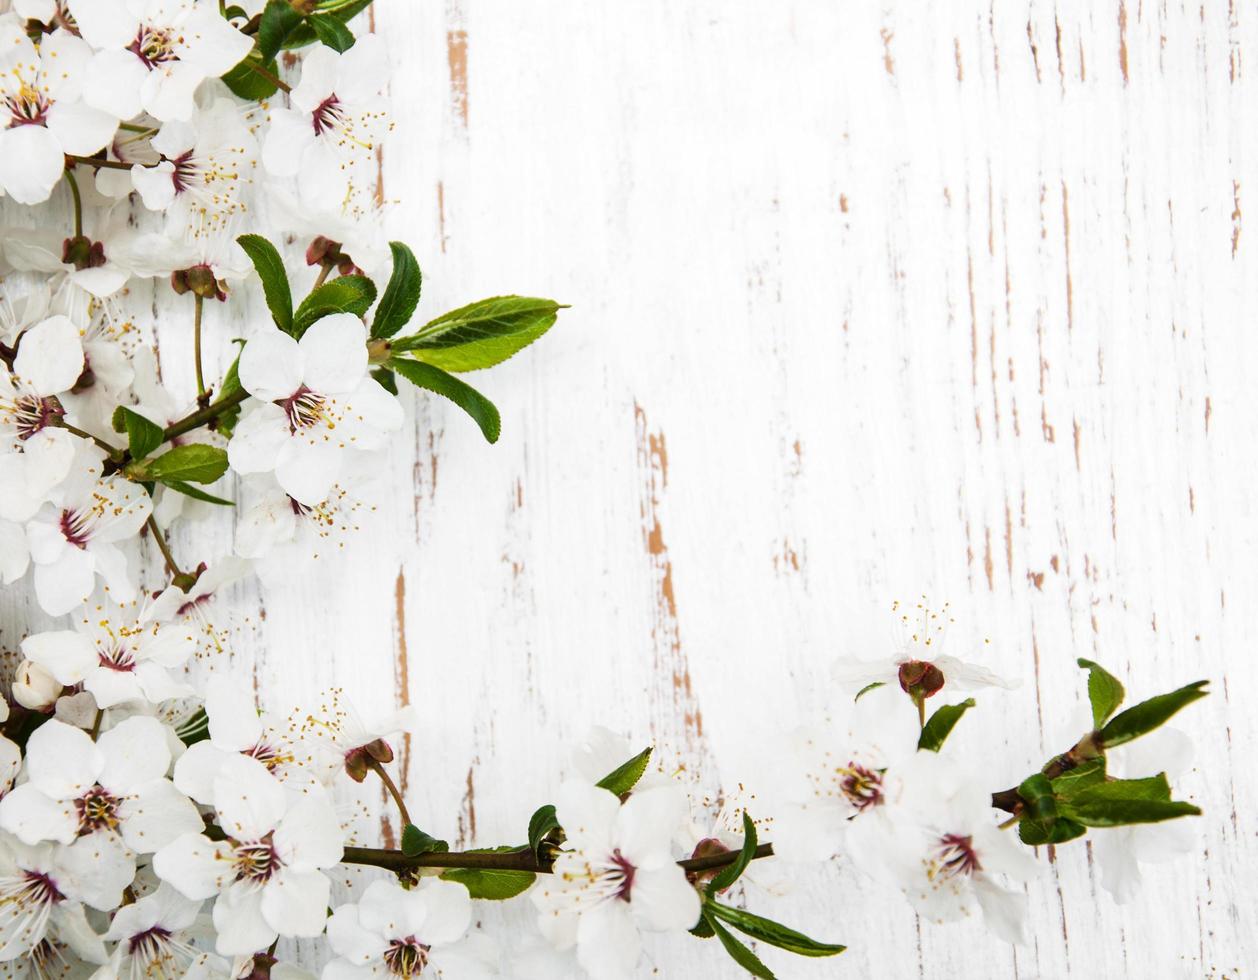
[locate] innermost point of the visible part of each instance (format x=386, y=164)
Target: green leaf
x=188, y=490
x=867, y=688
x=1118, y=813
x=703, y=928
x=773, y=933
x=1035, y=787
x=345, y=294
x=480, y=408
x=415, y=841
x=941, y=723
x=731, y=872
x=1082, y=776
x=541, y=823
x=143, y=436
x=278, y=21
x=193, y=463
x=385, y=379
x=1149, y=788
x=1037, y=831
x=195, y=728
x=304, y=34
x=332, y=31
x=481, y=334
x=250, y=85
x=1148, y=715
x=625, y=776
x=1104, y=691
x=401, y=295
x=491, y=884
x=279, y=297
x=741, y=955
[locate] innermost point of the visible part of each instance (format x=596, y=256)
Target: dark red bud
x=920, y=678
x=708, y=847
x=82, y=253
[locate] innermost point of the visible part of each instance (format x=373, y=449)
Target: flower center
x=955, y=856
x=149, y=944
x=29, y=414
x=861, y=785
x=28, y=106
x=327, y=115
x=269, y=755
x=304, y=408
x=37, y=888
x=192, y=605
x=256, y=861
x=76, y=528
x=624, y=870
x=153, y=46
x=97, y=810
x=117, y=657
x=406, y=957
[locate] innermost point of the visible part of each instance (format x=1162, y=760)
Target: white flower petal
x=307, y=470
x=242, y=928
x=135, y=754
x=271, y=365
x=50, y=357
x=80, y=129
x=62, y=761
x=156, y=815
x=195, y=866
x=31, y=816
x=250, y=802
x=31, y=162
x=663, y=900
x=294, y=903
x=66, y=654
x=334, y=351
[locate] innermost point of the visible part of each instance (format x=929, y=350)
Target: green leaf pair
x=715, y=917
x=480, y=334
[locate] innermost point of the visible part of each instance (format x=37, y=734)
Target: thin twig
x=78, y=202
x=163, y=547
x=98, y=162
x=393, y=791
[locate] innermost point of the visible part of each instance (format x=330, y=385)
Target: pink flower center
x=27, y=107
x=193, y=604
x=32, y=413
x=116, y=657
x=327, y=115
x=304, y=408
x=861, y=785
x=97, y=810
x=39, y=889
x=149, y=944
x=76, y=527
x=956, y=855
x=256, y=861
x=153, y=47
x=626, y=872
x=406, y=957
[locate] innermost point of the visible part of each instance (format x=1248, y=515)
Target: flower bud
x=920, y=678
x=82, y=253
x=34, y=687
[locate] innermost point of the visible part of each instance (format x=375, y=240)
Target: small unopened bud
x=82, y=253
x=920, y=678
x=34, y=687
x=360, y=761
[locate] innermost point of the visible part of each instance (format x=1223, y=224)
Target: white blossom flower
x=199, y=607
x=418, y=932
x=316, y=402
x=206, y=168
x=34, y=687
x=268, y=873
x=236, y=728
x=152, y=54
x=76, y=536
x=338, y=739
x=115, y=656
x=916, y=663
x=156, y=936
x=41, y=115
x=616, y=877
x=15, y=556
x=41, y=902
x=328, y=138
x=942, y=846
x=48, y=363
x=1121, y=850
x=107, y=801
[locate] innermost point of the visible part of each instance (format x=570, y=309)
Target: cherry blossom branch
x=521, y=860
x=98, y=162
x=1079, y=753
x=204, y=415
x=164, y=548
x=392, y=788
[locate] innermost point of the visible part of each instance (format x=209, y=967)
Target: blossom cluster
x=153, y=822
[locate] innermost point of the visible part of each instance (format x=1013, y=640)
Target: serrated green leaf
x=415, y=841
x=270, y=267
x=401, y=295
x=1082, y=776
x=1035, y=787
x=332, y=31
x=703, y=928
x=867, y=688
x=773, y=933
x=940, y=725
x=385, y=379
x=251, y=85
x=625, y=777
x=1104, y=692
x=541, y=823
x=345, y=294
x=1147, y=715
x=1149, y=788
x=143, y=436
x=195, y=728
x=279, y=19
x=1118, y=813
x=491, y=884
x=480, y=408
x=731, y=872
x=741, y=955
x=1036, y=831
x=481, y=334
x=193, y=463
x=188, y=490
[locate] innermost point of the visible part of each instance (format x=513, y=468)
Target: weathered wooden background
x=869, y=300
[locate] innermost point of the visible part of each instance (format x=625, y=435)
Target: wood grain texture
x=869, y=300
